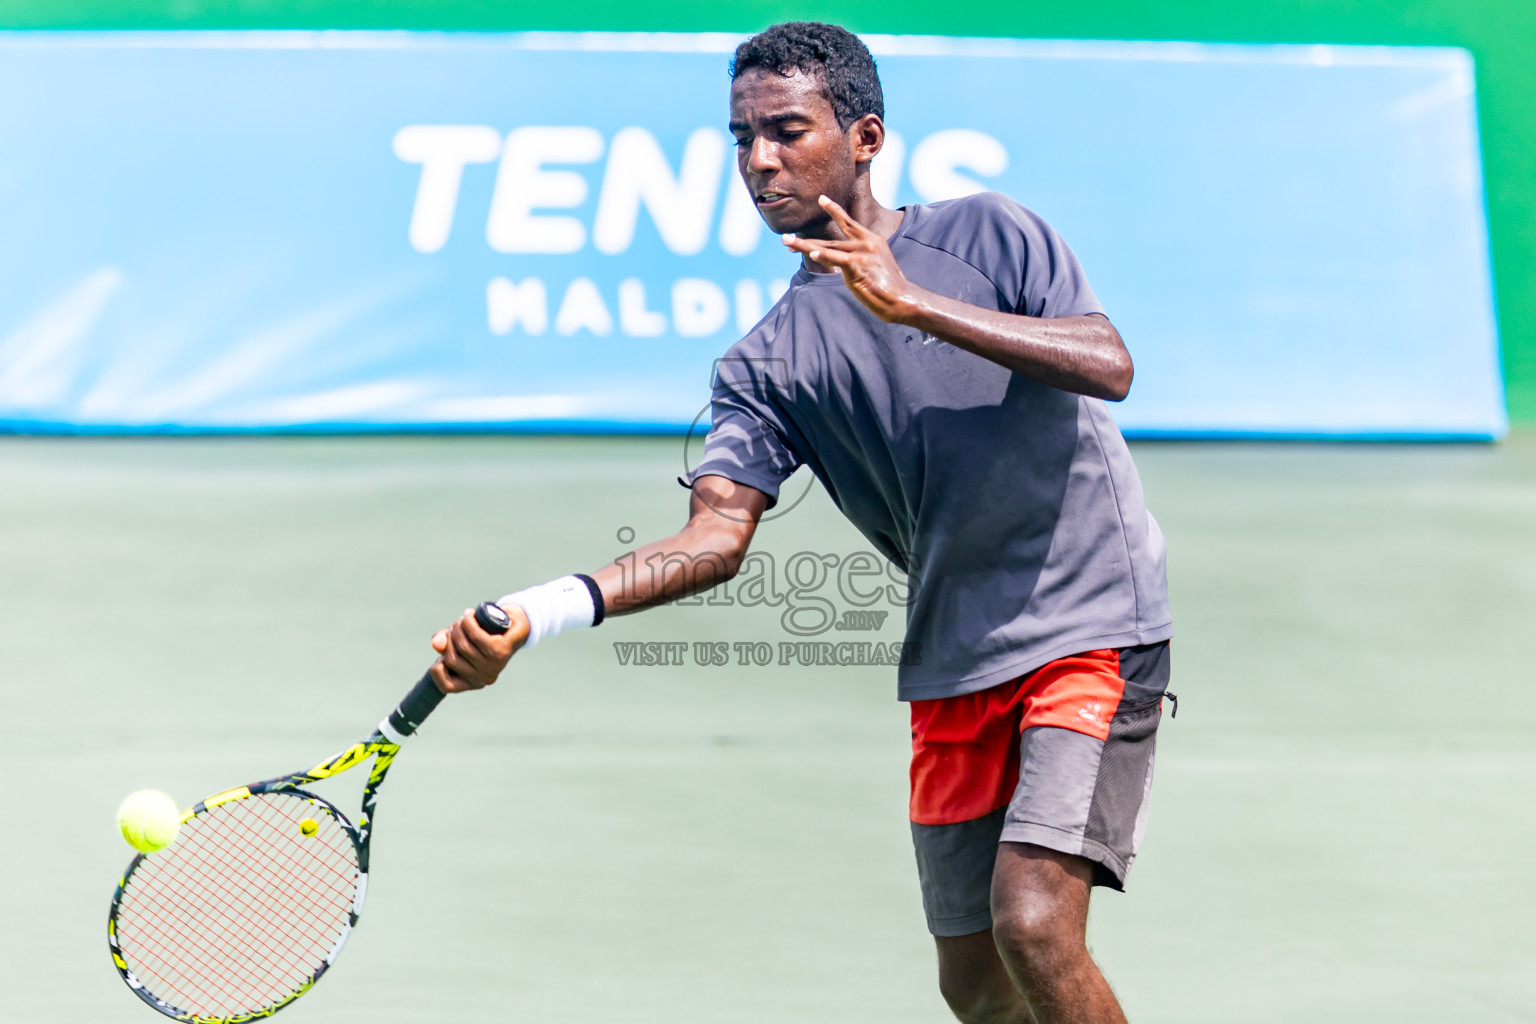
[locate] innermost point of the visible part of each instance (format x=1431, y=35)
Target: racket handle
x=425, y=696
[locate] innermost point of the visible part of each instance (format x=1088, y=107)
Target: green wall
x=1500, y=33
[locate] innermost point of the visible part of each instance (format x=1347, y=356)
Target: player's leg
x=1089, y=728
x=965, y=769
x=974, y=982
x=1039, y=932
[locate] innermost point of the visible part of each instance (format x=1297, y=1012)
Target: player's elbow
x=1118, y=379
x=733, y=551
x=718, y=553
x=1118, y=370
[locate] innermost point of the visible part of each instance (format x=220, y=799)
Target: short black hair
x=831, y=54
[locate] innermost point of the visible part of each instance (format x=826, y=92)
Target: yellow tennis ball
x=309, y=826
x=149, y=820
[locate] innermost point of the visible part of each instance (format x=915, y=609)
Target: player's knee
x=981, y=1004
x=975, y=984
x=1037, y=943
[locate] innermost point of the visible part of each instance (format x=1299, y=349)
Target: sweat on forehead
x=830, y=55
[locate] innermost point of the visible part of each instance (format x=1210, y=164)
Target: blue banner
x=354, y=231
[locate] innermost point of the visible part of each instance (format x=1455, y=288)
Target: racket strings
x=204, y=972
x=233, y=916
x=276, y=945
x=242, y=909
x=275, y=951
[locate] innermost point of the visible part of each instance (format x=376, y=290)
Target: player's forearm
x=722, y=516
x=705, y=553
x=697, y=558
x=1081, y=354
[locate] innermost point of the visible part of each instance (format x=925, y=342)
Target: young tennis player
x=942, y=370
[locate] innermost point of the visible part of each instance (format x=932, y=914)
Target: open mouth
x=771, y=198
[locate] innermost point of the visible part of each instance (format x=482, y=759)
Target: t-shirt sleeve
x=1054, y=282
x=745, y=443
x=1025, y=258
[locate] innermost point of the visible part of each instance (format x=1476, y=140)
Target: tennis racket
x=253, y=902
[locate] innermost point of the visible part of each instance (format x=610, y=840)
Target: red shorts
x=965, y=761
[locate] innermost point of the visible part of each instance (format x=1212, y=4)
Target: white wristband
x=554, y=607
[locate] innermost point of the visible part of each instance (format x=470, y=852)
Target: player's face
x=790, y=149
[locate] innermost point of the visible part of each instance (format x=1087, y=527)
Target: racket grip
x=425, y=696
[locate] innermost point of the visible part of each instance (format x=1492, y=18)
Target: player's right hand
x=469, y=657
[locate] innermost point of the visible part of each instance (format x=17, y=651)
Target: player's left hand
x=471, y=658
x=865, y=261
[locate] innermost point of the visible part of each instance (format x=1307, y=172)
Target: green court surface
x=1342, y=827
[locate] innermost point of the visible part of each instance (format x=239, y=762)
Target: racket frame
x=382, y=749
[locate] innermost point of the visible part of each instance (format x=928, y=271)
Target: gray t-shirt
x=1013, y=506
